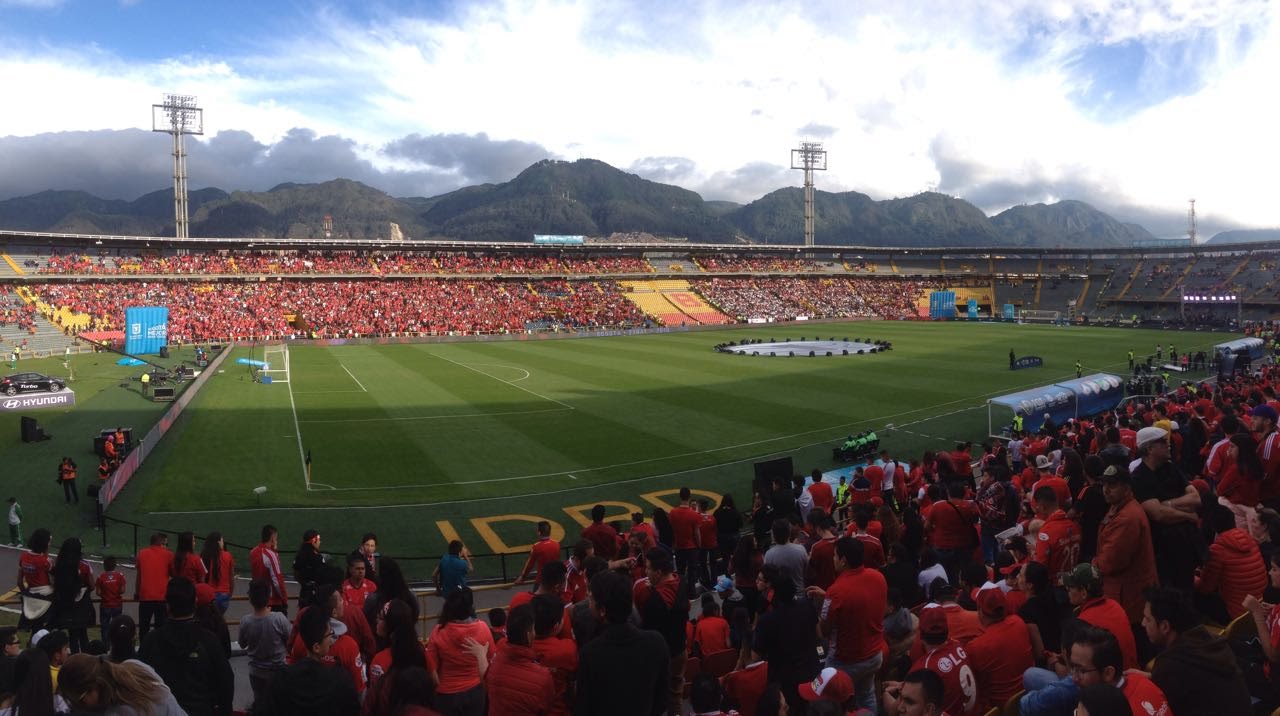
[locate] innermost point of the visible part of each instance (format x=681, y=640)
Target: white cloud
x=972, y=99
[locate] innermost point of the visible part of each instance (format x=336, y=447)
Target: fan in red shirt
x=1095, y=659
x=575, y=580
x=355, y=588
x=686, y=536
x=949, y=660
x=344, y=652
x=853, y=608
x=560, y=655
x=1002, y=652
x=516, y=682
x=1263, y=425
x=601, y=535
x=744, y=686
x=264, y=563
x=1084, y=591
x=821, y=492
x=711, y=633
x=950, y=525
x=1058, y=546
x=822, y=564
x=542, y=553
x=873, y=550
x=154, y=564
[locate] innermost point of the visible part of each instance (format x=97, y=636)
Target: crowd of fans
x=15, y=312
x=786, y=298
x=725, y=263
x=341, y=309
x=1087, y=567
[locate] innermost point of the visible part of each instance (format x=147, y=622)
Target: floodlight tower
x=178, y=116
x=810, y=157
x=1191, y=222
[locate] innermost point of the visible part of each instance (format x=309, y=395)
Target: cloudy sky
x=1135, y=106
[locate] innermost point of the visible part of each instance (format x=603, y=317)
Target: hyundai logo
x=11, y=403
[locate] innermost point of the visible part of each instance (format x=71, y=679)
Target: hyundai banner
x=146, y=330
x=34, y=401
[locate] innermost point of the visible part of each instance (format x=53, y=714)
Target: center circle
x=803, y=347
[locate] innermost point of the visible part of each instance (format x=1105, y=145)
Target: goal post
x=276, y=358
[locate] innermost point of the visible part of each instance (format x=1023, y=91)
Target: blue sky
x=1132, y=105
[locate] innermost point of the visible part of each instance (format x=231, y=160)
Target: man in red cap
x=1002, y=652
x=949, y=660
x=831, y=685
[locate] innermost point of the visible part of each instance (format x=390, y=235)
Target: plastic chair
x=692, y=667
x=720, y=663
x=1011, y=706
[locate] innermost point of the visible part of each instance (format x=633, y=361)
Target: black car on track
x=30, y=383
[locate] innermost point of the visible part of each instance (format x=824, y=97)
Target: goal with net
x=276, y=358
x=1037, y=316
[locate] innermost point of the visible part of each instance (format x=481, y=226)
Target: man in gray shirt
x=790, y=558
x=264, y=636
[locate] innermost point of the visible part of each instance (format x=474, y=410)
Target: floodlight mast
x=178, y=116
x=810, y=157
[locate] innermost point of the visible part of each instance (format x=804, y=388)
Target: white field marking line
x=297, y=429
x=325, y=392
x=501, y=380
x=357, y=380
x=437, y=417
x=503, y=365
x=642, y=478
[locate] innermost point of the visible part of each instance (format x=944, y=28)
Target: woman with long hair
x=94, y=685
x=662, y=523
x=72, y=583
x=890, y=526
x=411, y=693
x=728, y=527
x=186, y=563
x=32, y=688
x=391, y=585
x=1239, y=490
x=34, y=581
x=120, y=636
x=397, y=628
x=1072, y=470
x=743, y=567
x=460, y=647
x=220, y=569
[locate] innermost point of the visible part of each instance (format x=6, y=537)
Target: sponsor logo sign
x=62, y=399
x=1028, y=362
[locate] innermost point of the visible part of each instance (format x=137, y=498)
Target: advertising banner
x=146, y=330
x=31, y=401
x=1095, y=393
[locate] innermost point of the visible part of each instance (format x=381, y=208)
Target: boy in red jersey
x=355, y=588
x=542, y=552
x=110, y=589
x=264, y=563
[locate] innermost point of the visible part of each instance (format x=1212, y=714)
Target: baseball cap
x=1265, y=411
x=992, y=603
x=831, y=685
x=933, y=620
x=204, y=594
x=724, y=584
x=1084, y=576
x=1042, y=462
x=1150, y=435
x=1114, y=474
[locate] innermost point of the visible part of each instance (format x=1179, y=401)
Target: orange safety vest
x=68, y=472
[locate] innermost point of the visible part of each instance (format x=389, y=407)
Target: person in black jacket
x=309, y=686
x=188, y=658
x=1197, y=671
x=623, y=671
x=308, y=568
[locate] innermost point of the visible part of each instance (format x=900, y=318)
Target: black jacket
x=314, y=689
x=1199, y=676
x=623, y=672
x=191, y=662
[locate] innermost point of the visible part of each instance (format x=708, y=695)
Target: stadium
x=443, y=390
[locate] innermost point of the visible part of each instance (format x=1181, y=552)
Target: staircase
x=47, y=340
x=1137, y=269
x=1185, y=272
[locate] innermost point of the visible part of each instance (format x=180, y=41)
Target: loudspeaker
x=31, y=431
x=765, y=472
x=162, y=394
x=215, y=347
x=164, y=351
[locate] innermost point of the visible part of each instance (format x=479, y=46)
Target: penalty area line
x=353, y=377
x=502, y=380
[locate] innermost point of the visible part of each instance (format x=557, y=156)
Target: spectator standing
x=602, y=536
x=1126, y=557
x=950, y=525
x=395, y=626
x=15, y=523
x=460, y=648
x=1170, y=503
x=188, y=658
x=309, y=568
x=1196, y=670
x=186, y=563
x=728, y=527
x=1058, y=544
x=220, y=569
x=1090, y=507
x=451, y=573
x=624, y=670
x=662, y=600
x=155, y=562
x=368, y=553
x=310, y=686
x=790, y=558
x=72, y=608
x=264, y=636
x=264, y=563
x=517, y=683
x=1235, y=570
x=559, y=655
x=853, y=616
x=392, y=585
x=687, y=537
x=786, y=637
x=544, y=551
x=998, y=506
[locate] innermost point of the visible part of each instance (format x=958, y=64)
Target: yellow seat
x=1011, y=706
x=1242, y=627
x=992, y=712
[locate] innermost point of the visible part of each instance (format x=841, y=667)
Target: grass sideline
x=412, y=436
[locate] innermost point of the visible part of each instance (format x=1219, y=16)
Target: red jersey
x=35, y=568
x=1215, y=466
x=380, y=664
x=711, y=635
x=1269, y=455
x=1273, y=632
x=822, y=564
x=1000, y=655
x=950, y=661
x=604, y=538
x=110, y=589
x=822, y=496
x=456, y=667
x=1144, y=697
x=345, y=654
x=192, y=568
x=575, y=584
x=951, y=524
x=1058, y=546
x=544, y=552
x=745, y=686
x=855, y=607
x=1061, y=489
x=154, y=565
x=684, y=527
x=872, y=551
x=1108, y=614
x=264, y=563
x=226, y=571
x=561, y=657
x=707, y=531
x=353, y=595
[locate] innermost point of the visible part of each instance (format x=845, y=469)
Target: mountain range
x=585, y=197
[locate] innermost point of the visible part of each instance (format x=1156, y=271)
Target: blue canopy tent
x=1088, y=395
x=1254, y=346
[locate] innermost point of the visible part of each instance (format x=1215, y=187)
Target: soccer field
x=428, y=423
